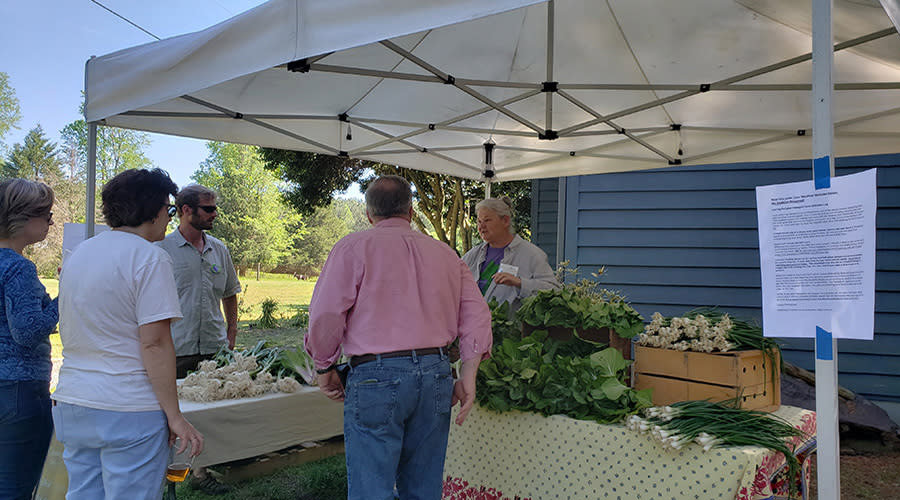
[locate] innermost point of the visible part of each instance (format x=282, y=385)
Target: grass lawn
x=290, y=295
x=288, y=292
x=322, y=480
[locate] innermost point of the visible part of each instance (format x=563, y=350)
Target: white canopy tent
x=561, y=88
x=518, y=89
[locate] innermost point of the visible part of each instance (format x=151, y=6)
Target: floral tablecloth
x=525, y=456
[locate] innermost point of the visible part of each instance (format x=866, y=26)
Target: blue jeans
x=25, y=430
x=396, y=421
x=112, y=454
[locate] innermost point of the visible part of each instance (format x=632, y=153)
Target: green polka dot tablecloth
x=521, y=456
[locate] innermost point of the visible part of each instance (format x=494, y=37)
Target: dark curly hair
x=136, y=196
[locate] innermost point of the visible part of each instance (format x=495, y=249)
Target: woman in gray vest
x=505, y=266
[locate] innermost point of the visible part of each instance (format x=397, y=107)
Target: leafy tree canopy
x=445, y=204
x=312, y=179
x=10, y=113
x=118, y=149
x=252, y=220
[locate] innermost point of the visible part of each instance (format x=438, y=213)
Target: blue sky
x=45, y=43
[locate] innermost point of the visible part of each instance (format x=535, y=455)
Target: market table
x=504, y=456
x=235, y=429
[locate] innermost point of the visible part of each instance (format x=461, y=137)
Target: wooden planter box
x=687, y=376
x=602, y=335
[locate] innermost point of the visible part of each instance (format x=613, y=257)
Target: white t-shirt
x=111, y=284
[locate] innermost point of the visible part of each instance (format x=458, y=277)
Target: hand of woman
x=507, y=279
x=180, y=427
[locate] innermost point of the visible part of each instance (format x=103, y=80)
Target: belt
x=365, y=358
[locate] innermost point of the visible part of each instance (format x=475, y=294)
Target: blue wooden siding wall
x=544, y=202
x=674, y=239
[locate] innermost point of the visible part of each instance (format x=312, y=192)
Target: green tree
x=353, y=212
x=312, y=179
x=321, y=231
x=118, y=149
x=10, y=113
x=315, y=235
x=520, y=194
x=445, y=205
x=36, y=159
x=253, y=220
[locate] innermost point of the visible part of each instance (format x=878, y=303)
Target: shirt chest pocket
x=214, y=271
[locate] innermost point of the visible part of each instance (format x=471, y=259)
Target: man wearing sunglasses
x=205, y=277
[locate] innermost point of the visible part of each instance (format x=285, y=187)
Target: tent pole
x=548, y=119
x=90, y=181
x=487, y=189
x=828, y=448
x=560, y=223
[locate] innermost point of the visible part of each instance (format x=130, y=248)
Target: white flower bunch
x=687, y=334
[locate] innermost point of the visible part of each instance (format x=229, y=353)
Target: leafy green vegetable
x=541, y=374
x=275, y=360
x=573, y=307
x=299, y=362
x=501, y=324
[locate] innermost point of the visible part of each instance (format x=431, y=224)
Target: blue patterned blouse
x=27, y=319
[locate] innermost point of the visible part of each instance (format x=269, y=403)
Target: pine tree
x=36, y=159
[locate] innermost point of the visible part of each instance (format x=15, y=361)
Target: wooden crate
x=686, y=376
x=603, y=335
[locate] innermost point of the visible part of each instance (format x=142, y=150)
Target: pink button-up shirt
x=391, y=289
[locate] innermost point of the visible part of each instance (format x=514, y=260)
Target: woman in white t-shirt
x=116, y=405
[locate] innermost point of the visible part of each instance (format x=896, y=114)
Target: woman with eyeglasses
x=116, y=406
x=27, y=318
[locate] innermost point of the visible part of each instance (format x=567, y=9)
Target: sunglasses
x=208, y=208
x=171, y=210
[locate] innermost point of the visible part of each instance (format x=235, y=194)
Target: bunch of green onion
x=714, y=425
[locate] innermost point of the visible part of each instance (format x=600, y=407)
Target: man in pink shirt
x=393, y=299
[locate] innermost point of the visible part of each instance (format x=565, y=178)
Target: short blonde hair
x=501, y=206
x=20, y=200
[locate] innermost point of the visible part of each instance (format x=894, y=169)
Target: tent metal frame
x=531, y=89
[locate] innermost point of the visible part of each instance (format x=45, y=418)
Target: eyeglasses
x=208, y=208
x=50, y=217
x=171, y=210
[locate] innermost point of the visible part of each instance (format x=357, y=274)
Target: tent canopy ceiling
x=560, y=88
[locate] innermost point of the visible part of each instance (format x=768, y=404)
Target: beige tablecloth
x=515, y=455
x=235, y=429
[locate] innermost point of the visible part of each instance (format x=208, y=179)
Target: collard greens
x=553, y=377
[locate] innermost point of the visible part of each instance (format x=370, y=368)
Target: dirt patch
x=865, y=477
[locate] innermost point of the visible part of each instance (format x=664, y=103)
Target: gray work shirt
x=203, y=280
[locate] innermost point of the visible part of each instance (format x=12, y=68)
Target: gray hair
x=191, y=195
x=388, y=196
x=501, y=206
x=20, y=200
